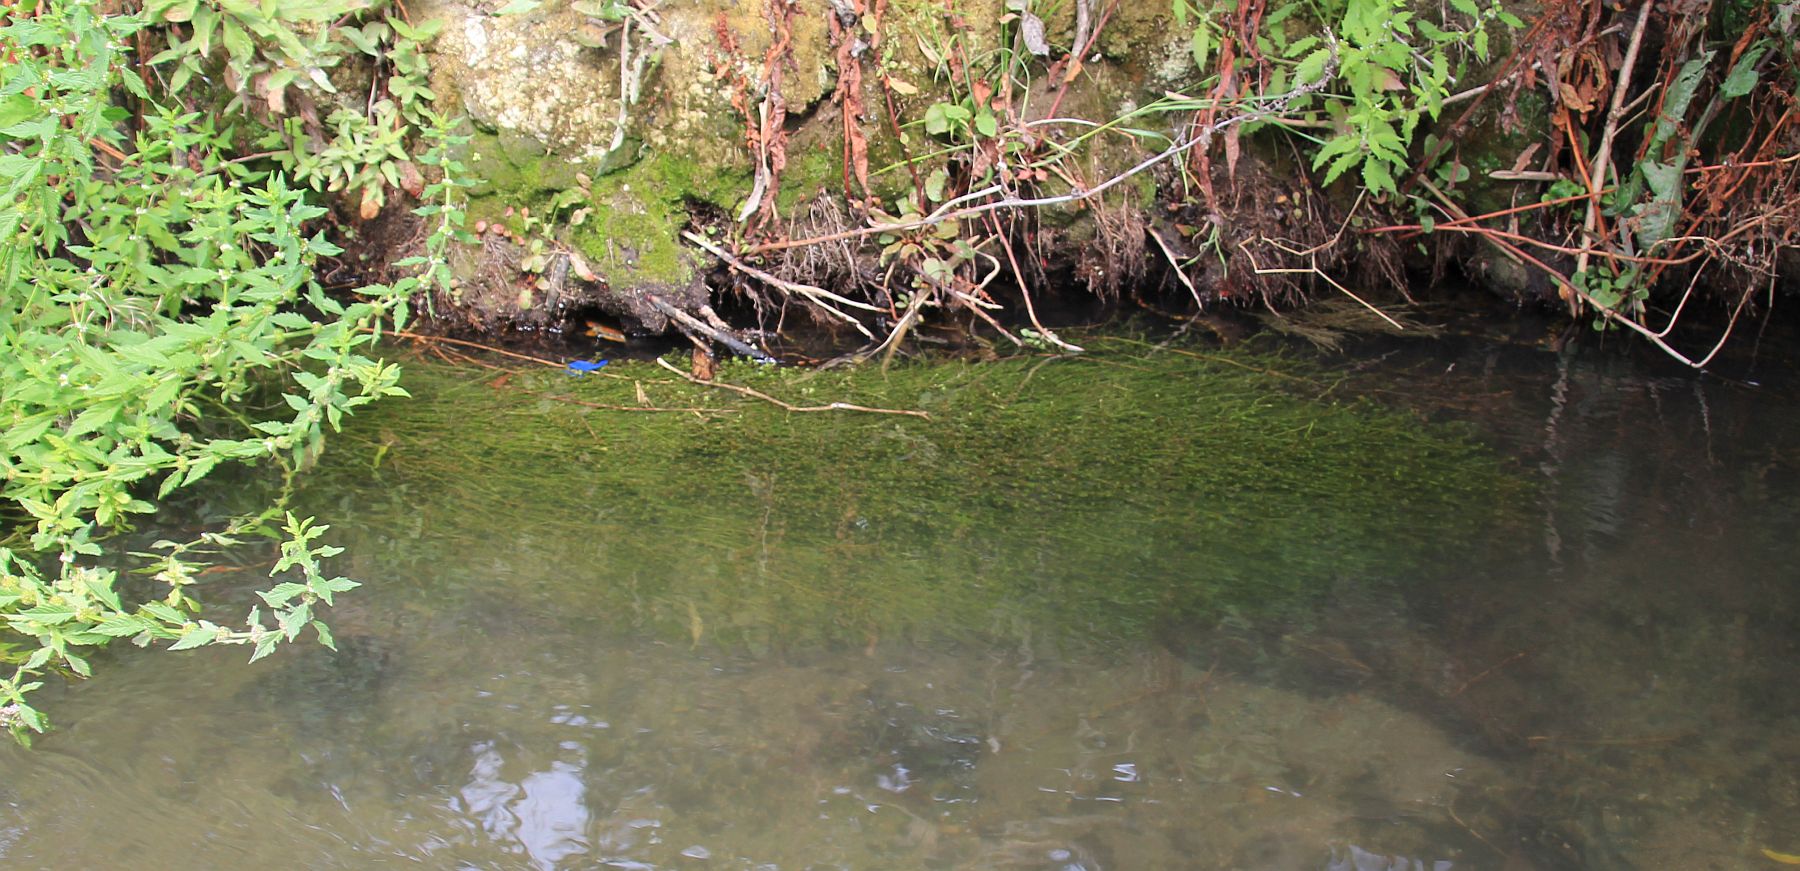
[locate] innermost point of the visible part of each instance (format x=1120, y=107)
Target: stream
x=1440, y=604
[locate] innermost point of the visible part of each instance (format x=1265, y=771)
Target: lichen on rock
x=522, y=75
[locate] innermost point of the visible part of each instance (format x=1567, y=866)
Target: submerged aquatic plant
x=1066, y=501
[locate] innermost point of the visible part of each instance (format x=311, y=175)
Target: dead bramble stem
x=956, y=209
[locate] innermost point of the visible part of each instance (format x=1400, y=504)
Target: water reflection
x=1609, y=689
x=1353, y=858
x=544, y=815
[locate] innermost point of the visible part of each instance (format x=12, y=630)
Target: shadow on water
x=1140, y=610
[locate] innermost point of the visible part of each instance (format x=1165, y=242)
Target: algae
x=1074, y=502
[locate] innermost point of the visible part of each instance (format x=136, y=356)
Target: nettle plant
x=273, y=60
x=155, y=290
x=1394, y=69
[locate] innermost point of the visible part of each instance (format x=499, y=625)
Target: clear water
x=608, y=677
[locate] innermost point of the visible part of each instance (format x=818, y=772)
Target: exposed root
x=816, y=295
x=1116, y=258
x=833, y=263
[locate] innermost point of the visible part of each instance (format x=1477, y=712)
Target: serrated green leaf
x=49, y=614
x=324, y=633
x=1312, y=66
x=162, y=611
x=1377, y=177
x=196, y=637
x=121, y=626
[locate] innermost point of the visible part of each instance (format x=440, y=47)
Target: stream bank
x=729, y=169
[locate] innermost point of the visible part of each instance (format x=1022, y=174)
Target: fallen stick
x=1603, y=154
x=1174, y=264
x=688, y=321
x=757, y=394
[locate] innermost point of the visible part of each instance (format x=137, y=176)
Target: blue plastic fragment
x=578, y=368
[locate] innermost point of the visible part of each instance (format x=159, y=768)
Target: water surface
x=1150, y=609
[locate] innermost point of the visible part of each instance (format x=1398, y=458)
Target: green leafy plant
x=1619, y=291
x=1394, y=69
x=366, y=153
x=275, y=60
x=157, y=295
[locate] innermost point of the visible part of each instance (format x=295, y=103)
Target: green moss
x=634, y=215
x=632, y=232
x=488, y=162
x=816, y=169
x=1085, y=500
x=680, y=177
x=520, y=166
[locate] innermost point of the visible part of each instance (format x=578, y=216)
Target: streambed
x=1159, y=607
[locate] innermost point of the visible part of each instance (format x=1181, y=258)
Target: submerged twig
x=696, y=410
x=424, y=339
x=1489, y=672
x=757, y=394
x=1643, y=741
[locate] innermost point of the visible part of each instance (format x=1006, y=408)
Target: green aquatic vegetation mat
x=1072, y=500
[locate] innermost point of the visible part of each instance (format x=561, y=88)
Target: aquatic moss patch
x=1067, y=501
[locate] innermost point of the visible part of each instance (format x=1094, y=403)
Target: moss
x=816, y=170
x=520, y=168
x=632, y=232
x=1094, y=499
